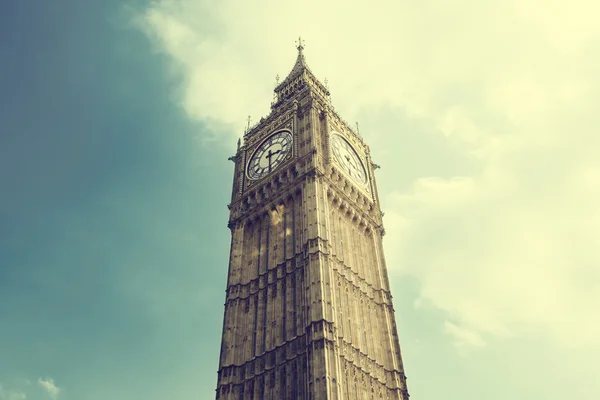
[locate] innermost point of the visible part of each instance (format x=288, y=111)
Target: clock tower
x=308, y=309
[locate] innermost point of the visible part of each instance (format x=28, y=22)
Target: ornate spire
x=300, y=68
x=300, y=64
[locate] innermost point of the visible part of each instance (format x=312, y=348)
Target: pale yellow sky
x=495, y=215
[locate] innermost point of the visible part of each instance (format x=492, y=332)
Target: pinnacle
x=300, y=64
x=300, y=68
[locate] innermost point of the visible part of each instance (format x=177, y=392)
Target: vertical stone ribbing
x=255, y=312
x=308, y=313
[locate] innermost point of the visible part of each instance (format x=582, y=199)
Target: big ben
x=308, y=309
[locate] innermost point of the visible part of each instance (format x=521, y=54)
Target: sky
x=116, y=122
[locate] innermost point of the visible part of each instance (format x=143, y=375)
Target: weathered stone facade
x=308, y=311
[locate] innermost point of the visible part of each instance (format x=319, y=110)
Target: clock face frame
x=270, y=154
x=345, y=155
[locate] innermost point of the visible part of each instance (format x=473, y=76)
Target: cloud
x=395, y=53
x=214, y=84
x=514, y=248
x=498, y=259
x=11, y=394
x=510, y=247
x=50, y=387
x=463, y=337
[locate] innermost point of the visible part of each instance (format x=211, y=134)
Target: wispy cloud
x=513, y=85
x=6, y=394
x=50, y=387
x=514, y=247
x=463, y=336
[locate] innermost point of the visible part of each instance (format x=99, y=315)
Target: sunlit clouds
x=512, y=84
x=507, y=248
x=50, y=387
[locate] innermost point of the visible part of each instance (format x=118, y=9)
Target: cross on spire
x=300, y=44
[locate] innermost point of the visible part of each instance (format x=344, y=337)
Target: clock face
x=346, y=156
x=271, y=153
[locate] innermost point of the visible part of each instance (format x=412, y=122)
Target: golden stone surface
x=308, y=311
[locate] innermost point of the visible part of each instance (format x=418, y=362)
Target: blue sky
x=116, y=121
x=114, y=240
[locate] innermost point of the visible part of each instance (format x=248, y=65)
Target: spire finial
x=300, y=45
x=277, y=80
x=248, y=128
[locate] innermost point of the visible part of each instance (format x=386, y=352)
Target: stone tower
x=308, y=310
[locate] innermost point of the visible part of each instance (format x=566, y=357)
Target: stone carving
x=306, y=273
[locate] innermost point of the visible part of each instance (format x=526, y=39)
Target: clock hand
x=350, y=164
x=351, y=161
x=270, y=155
